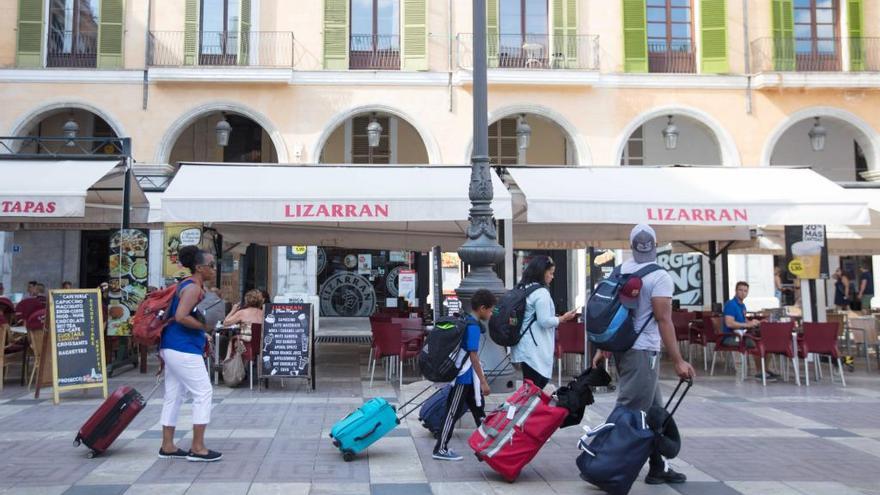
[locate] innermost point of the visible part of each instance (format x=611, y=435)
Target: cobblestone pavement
x=738, y=438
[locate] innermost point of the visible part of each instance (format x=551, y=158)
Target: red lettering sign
x=689, y=215
x=335, y=210
x=27, y=206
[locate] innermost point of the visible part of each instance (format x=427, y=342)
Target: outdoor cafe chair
x=700, y=334
x=36, y=329
x=821, y=339
x=388, y=343
x=713, y=324
x=776, y=340
x=11, y=352
x=681, y=321
x=252, y=349
x=569, y=340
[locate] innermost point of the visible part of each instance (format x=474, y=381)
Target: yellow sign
x=796, y=268
x=299, y=250
x=178, y=235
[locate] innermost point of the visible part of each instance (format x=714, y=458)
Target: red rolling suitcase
x=511, y=436
x=110, y=420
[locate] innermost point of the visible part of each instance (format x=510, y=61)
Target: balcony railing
x=374, y=51
x=72, y=49
x=221, y=49
x=675, y=58
x=533, y=51
x=815, y=55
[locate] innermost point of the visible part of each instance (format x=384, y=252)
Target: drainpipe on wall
x=449, y=42
x=147, y=55
x=747, y=57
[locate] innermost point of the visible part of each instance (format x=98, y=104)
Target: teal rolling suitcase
x=370, y=422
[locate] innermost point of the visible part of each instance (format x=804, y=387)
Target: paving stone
x=280, y=489
x=829, y=432
x=704, y=488
x=400, y=489
x=204, y=488
x=96, y=490
x=163, y=488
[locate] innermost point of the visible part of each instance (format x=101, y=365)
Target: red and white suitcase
x=110, y=420
x=511, y=436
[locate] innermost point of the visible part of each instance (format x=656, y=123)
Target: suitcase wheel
x=336, y=443
x=91, y=454
x=77, y=443
x=348, y=456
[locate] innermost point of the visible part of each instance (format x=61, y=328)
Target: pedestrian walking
x=181, y=348
x=534, y=352
x=866, y=288
x=639, y=367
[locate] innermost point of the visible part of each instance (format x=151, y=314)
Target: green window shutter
x=244, y=33
x=855, y=19
x=635, y=36
x=713, y=34
x=30, y=34
x=336, y=34
x=415, y=35
x=110, y=34
x=492, y=35
x=565, y=39
x=783, y=35
x=191, y=33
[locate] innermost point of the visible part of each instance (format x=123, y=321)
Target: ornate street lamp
x=481, y=251
x=374, y=132
x=817, y=136
x=222, y=129
x=523, y=133
x=670, y=134
x=70, y=129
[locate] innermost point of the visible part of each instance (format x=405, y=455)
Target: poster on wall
x=128, y=279
x=178, y=235
x=365, y=264
x=806, y=250
x=686, y=270
x=406, y=285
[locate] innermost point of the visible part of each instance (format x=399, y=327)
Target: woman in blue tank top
x=182, y=345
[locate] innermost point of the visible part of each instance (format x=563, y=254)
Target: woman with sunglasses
x=181, y=348
x=535, y=350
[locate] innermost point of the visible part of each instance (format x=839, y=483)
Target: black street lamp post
x=481, y=250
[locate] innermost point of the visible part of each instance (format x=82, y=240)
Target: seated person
x=31, y=304
x=250, y=314
x=736, y=325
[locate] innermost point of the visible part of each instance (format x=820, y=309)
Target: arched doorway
x=394, y=141
x=246, y=141
x=669, y=140
x=840, y=156
x=529, y=138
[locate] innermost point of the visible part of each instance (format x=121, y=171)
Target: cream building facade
x=299, y=81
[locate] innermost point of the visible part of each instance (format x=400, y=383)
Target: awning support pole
x=725, y=275
x=713, y=279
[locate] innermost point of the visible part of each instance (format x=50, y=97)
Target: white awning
x=49, y=194
x=355, y=206
x=686, y=196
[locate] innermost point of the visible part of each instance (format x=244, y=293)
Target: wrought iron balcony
x=815, y=54
x=221, y=49
x=677, y=57
x=533, y=51
x=72, y=49
x=374, y=51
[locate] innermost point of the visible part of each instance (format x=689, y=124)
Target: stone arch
x=340, y=118
x=181, y=123
x=583, y=155
x=26, y=121
x=869, y=142
x=728, y=151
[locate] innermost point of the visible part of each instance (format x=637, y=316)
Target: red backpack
x=153, y=315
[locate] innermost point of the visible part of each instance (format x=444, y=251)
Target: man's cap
x=629, y=293
x=643, y=242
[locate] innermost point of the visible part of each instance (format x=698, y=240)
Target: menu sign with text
x=287, y=342
x=806, y=250
x=77, y=340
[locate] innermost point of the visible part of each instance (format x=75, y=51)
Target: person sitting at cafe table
x=736, y=325
x=250, y=314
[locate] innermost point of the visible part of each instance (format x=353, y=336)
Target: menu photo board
x=77, y=341
x=806, y=249
x=128, y=279
x=288, y=342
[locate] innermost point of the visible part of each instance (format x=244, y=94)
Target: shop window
x=816, y=35
x=523, y=39
x=670, y=36
x=502, y=142
x=73, y=33
x=219, y=32
x=361, y=151
x=375, y=34
x=634, y=151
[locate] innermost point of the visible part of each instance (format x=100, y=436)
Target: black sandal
x=180, y=454
x=211, y=456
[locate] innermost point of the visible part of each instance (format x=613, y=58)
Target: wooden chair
x=36, y=328
x=11, y=354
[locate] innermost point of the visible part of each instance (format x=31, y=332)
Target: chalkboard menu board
x=287, y=342
x=77, y=340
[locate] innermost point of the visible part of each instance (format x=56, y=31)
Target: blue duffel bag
x=433, y=411
x=622, y=445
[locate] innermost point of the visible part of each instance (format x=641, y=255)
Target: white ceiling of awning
x=686, y=196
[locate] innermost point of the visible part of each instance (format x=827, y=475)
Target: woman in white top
x=535, y=350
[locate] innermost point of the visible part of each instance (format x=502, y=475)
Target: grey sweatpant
x=639, y=385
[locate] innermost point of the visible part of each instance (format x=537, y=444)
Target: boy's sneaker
x=770, y=377
x=446, y=455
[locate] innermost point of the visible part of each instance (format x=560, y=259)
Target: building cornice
x=219, y=74
x=368, y=78
x=75, y=76
x=830, y=80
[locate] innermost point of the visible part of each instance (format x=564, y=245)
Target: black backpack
x=438, y=361
x=610, y=324
x=506, y=324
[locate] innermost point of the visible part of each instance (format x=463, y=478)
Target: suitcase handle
x=367, y=435
x=690, y=383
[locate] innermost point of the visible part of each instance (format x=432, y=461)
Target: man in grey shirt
x=639, y=367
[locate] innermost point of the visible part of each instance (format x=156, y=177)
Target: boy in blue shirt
x=735, y=324
x=463, y=391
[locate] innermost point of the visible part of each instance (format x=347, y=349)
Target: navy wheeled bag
x=433, y=411
x=623, y=444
